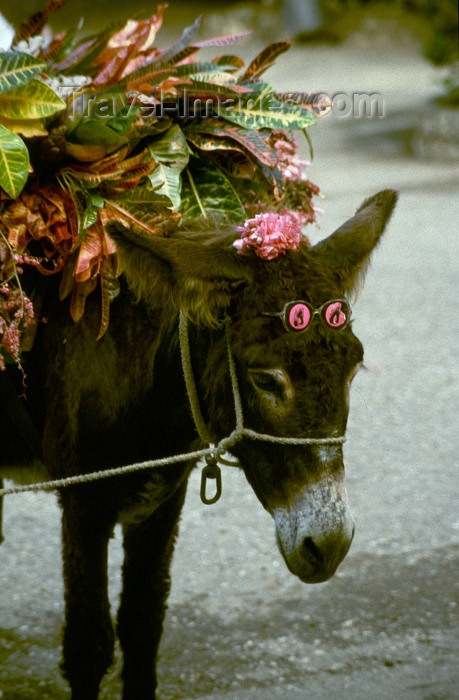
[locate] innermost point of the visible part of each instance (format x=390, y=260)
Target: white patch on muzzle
x=315, y=530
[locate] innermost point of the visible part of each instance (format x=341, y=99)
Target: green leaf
x=207, y=192
x=92, y=131
x=167, y=181
x=14, y=162
x=265, y=111
x=171, y=152
x=17, y=68
x=144, y=210
x=171, y=148
x=94, y=202
x=123, y=121
x=144, y=196
x=34, y=100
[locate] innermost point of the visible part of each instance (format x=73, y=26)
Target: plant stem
x=195, y=192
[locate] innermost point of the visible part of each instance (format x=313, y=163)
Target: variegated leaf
x=34, y=100
x=265, y=111
x=17, y=68
x=265, y=59
x=207, y=192
x=14, y=162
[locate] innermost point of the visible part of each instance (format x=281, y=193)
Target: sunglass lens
x=336, y=314
x=297, y=317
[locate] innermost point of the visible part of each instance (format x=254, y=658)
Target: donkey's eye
x=271, y=380
x=263, y=381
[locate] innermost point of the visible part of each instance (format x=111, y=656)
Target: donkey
x=123, y=399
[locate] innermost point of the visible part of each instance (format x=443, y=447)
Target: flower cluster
x=16, y=310
x=269, y=235
x=16, y=316
x=292, y=168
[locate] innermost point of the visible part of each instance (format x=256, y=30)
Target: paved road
x=239, y=626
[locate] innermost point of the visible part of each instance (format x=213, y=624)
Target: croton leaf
x=33, y=100
x=94, y=202
x=17, y=68
x=26, y=127
x=167, y=181
x=225, y=40
x=252, y=141
x=229, y=60
x=207, y=192
x=14, y=162
x=145, y=221
x=36, y=23
x=265, y=111
x=171, y=152
x=144, y=196
x=171, y=148
x=109, y=289
x=265, y=59
x=167, y=56
x=80, y=292
x=92, y=131
x=143, y=209
x=208, y=67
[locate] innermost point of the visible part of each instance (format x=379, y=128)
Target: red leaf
x=113, y=69
x=90, y=254
x=36, y=23
x=265, y=59
x=81, y=291
x=225, y=40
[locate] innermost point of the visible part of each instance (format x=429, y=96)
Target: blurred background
x=239, y=626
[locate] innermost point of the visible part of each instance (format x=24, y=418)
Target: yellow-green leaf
x=17, y=68
x=265, y=111
x=34, y=100
x=27, y=127
x=14, y=162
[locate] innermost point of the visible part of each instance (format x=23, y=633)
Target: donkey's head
x=295, y=356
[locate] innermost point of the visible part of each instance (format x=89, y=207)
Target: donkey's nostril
x=311, y=551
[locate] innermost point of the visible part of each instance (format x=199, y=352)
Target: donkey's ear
x=347, y=251
x=200, y=273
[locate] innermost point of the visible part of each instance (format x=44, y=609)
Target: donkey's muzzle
x=314, y=532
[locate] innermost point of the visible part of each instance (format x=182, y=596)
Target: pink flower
x=292, y=167
x=16, y=316
x=269, y=235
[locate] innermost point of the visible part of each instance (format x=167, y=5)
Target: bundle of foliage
x=109, y=127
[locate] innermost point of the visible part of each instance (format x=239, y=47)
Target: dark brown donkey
x=123, y=399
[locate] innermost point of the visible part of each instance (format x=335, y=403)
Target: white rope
x=115, y=471
x=216, y=451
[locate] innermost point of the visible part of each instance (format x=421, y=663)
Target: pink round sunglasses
x=296, y=316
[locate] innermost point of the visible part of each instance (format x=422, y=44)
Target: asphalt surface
x=239, y=626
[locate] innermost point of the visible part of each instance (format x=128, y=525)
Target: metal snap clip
x=211, y=471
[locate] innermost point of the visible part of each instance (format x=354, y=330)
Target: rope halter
x=216, y=452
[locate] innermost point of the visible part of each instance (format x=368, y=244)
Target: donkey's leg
x=88, y=635
x=146, y=584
